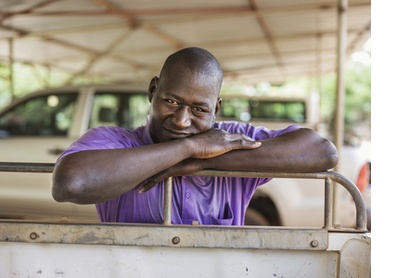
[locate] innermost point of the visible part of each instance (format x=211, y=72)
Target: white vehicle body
x=98, y=251
x=291, y=202
x=165, y=250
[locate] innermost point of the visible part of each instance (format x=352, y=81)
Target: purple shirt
x=208, y=200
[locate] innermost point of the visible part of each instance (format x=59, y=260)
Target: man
x=122, y=171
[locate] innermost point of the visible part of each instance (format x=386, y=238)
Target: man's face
x=183, y=104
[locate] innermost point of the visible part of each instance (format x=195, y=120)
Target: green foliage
x=357, y=115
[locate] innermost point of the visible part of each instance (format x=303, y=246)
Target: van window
x=124, y=110
x=245, y=110
x=237, y=109
x=39, y=116
x=279, y=110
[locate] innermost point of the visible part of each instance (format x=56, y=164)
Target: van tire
x=262, y=212
x=254, y=218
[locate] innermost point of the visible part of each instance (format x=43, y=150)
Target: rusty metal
x=155, y=235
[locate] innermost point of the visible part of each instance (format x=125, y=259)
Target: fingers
x=147, y=184
x=136, y=187
x=241, y=141
x=251, y=145
x=215, y=143
x=146, y=188
x=153, y=181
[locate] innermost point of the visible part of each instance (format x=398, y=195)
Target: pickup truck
x=39, y=126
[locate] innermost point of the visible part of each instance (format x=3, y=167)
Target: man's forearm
x=97, y=175
x=297, y=151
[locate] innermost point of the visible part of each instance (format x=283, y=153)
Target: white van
x=38, y=127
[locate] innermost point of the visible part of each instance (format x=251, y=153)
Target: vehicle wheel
x=254, y=218
x=262, y=212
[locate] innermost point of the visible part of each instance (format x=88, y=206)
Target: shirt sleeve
x=104, y=137
x=255, y=132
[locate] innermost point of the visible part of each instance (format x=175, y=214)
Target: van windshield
x=44, y=115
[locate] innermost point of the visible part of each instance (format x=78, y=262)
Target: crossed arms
x=94, y=176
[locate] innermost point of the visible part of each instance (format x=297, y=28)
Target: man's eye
x=172, y=101
x=198, y=109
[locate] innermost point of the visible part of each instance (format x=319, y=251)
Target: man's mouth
x=176, y=133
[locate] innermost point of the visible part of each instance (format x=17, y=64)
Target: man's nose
x=182, y=117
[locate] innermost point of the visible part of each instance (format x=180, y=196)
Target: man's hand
x=215, y=142
x=209, y=144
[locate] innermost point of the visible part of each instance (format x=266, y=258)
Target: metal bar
x=167, y=201
x=361, y=221
x=26, y=167
x=328, y=206
x=153, y=235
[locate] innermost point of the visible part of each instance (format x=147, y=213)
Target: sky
x=363, y=56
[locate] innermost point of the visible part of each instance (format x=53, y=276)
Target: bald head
x=196, y=60
x=185, y=97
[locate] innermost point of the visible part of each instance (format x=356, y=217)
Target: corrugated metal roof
x=264, y=40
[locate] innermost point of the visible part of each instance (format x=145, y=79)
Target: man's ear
x=152, y=88
x=217, y=106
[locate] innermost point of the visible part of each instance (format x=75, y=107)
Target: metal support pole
x=328, y=213
x=340, y=89
x=340, y=78
x=167, y=200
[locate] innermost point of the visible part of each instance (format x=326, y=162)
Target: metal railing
x=328, y=176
